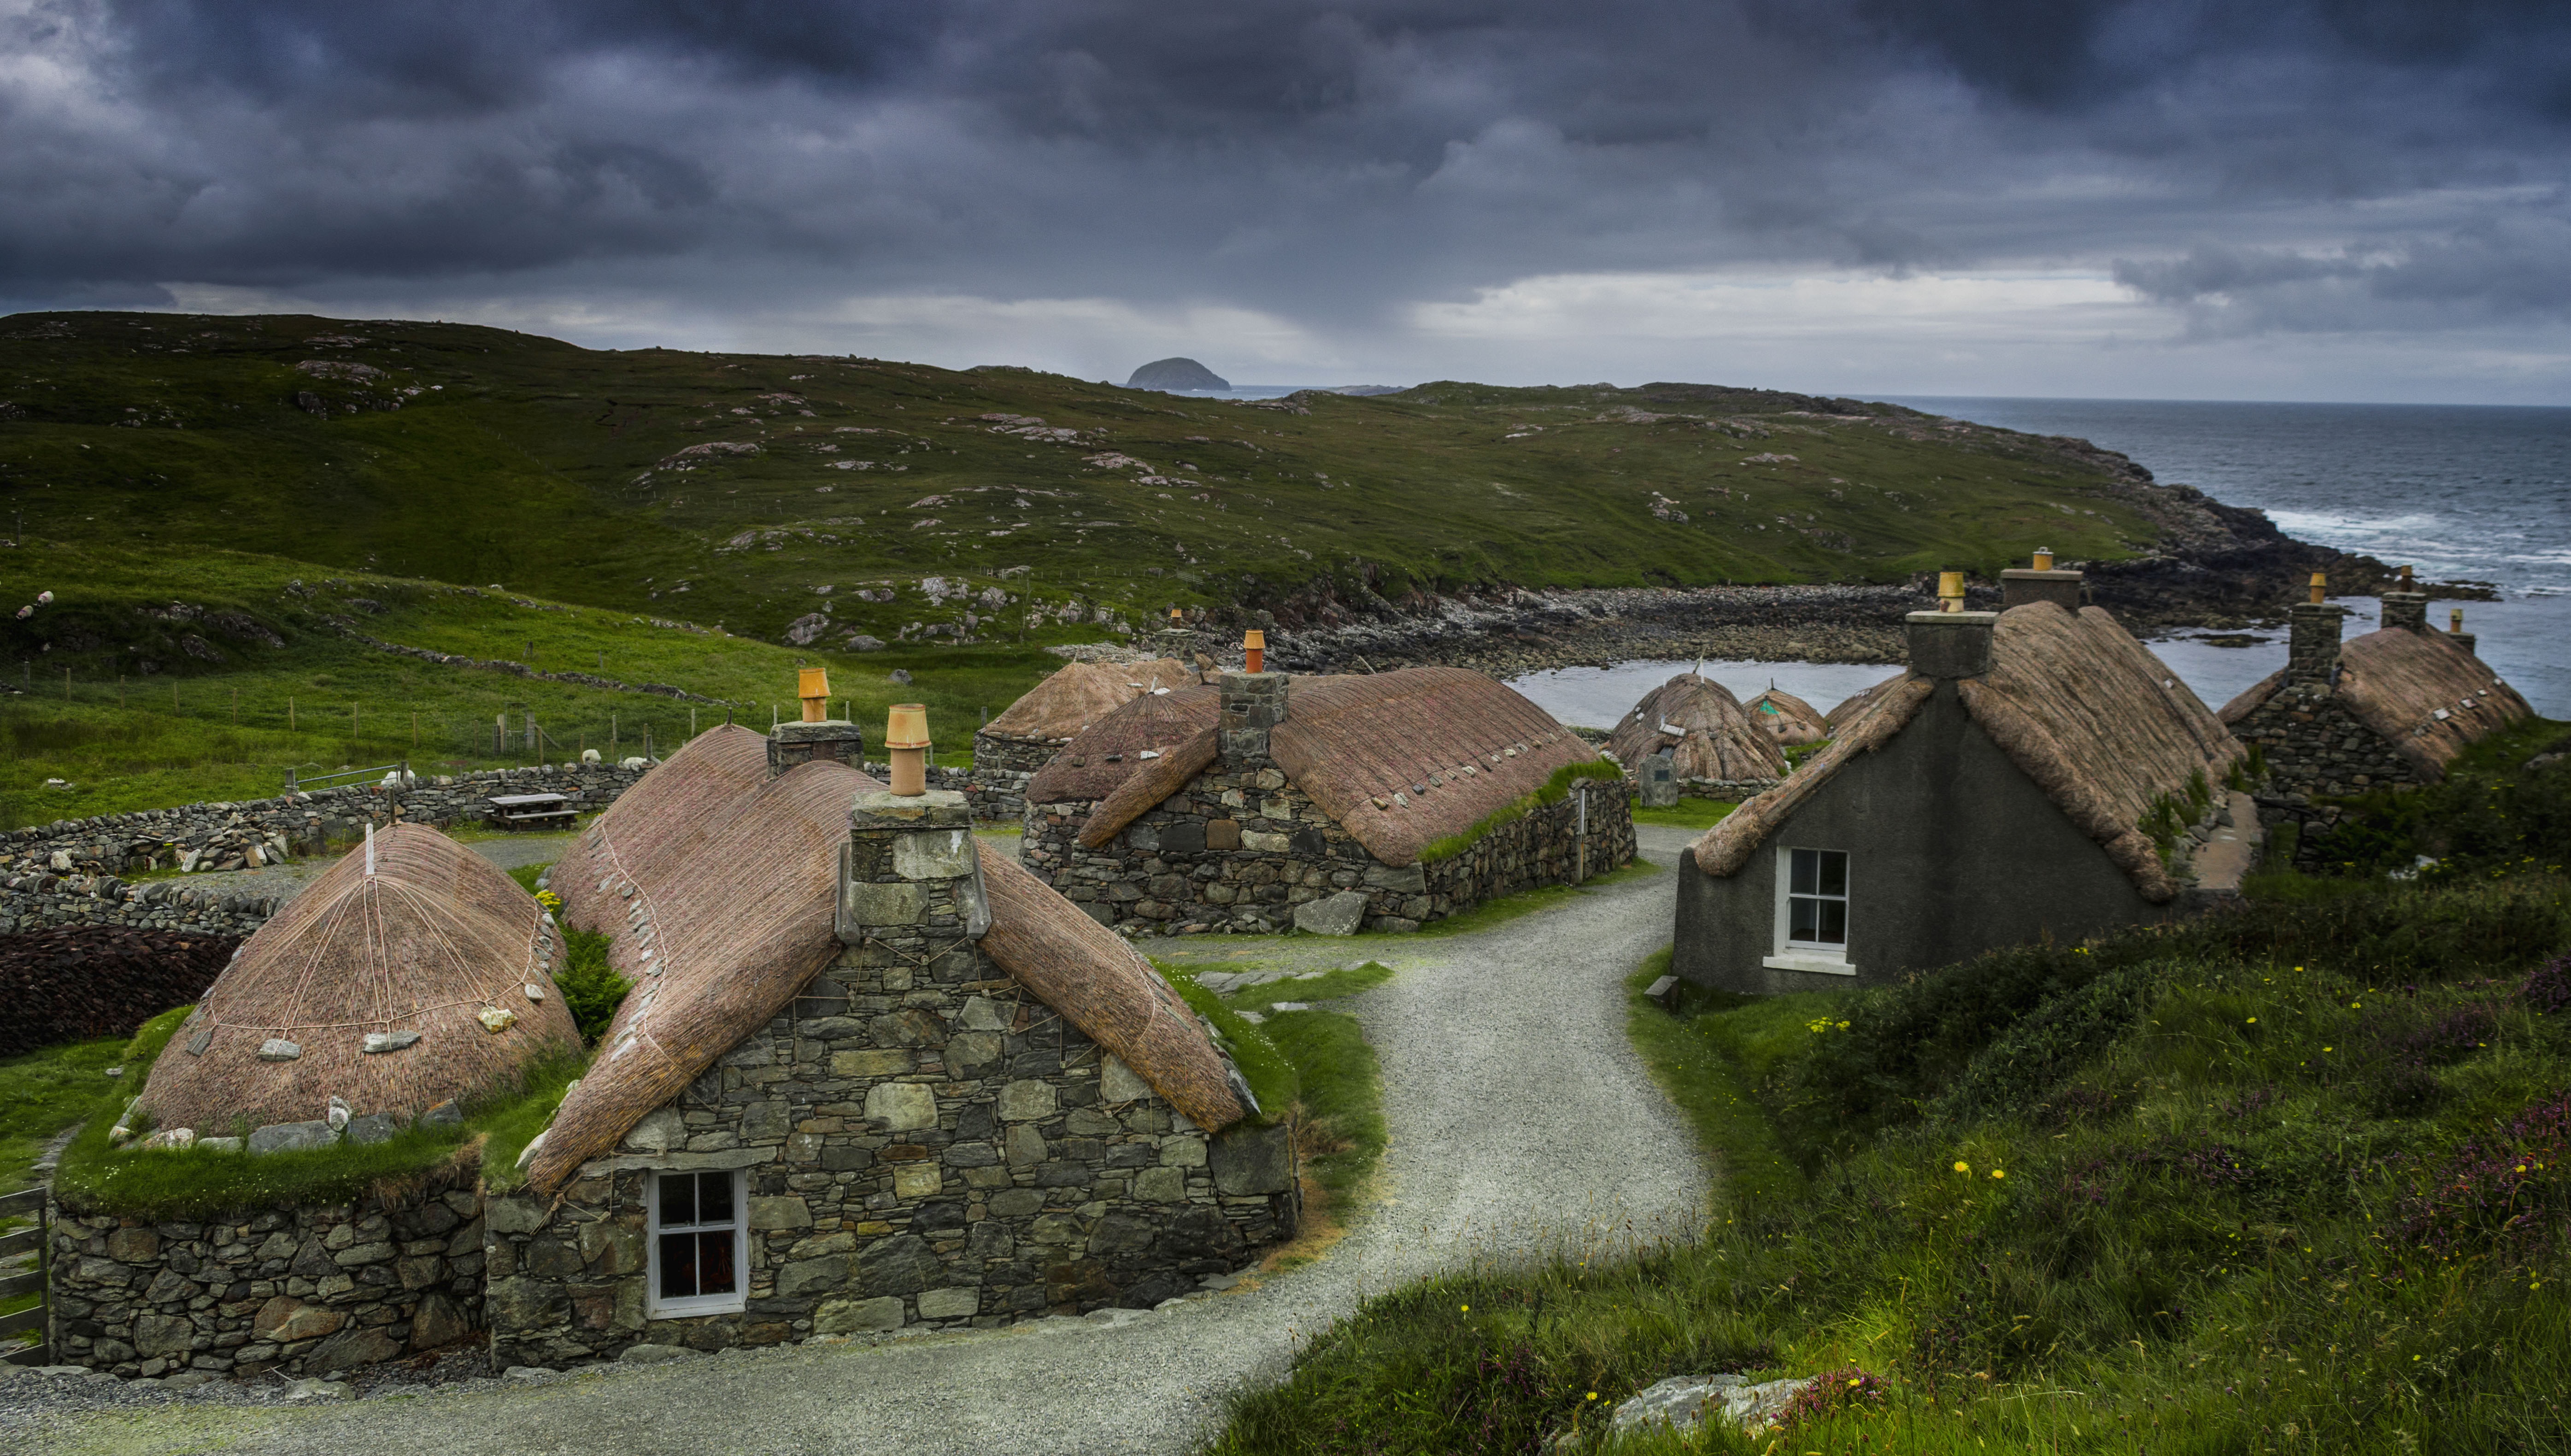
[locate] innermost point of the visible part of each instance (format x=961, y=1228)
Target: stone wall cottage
x=1320, y=801
x=1715, y=750
x=411, y=975
x=872, y=1076
x=2393, y=707
x=2003, y=790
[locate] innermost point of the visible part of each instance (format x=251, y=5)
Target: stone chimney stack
x=2041, y=583
x=2312, y=649
x=2405, y=606
x=817, y=736
x=1251, y=702
x=1953, y=644
x=2455, y=631
x=910, y=876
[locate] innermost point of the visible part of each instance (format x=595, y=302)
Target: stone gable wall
x=1240, y=847
x=926, y=1146
x=2316, y=751
x=298, y=1291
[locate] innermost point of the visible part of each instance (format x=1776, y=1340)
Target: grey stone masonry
x=836, y=739
x=1950, y=644
x=923, y=1144
x=296, y=1292
x=37, y=901
x=2022, y=585
x=2312, y=642
x=1251, y=703
x=1240, y=847
x=2405, y=608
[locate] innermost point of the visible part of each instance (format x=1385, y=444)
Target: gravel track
x=1523, y=1124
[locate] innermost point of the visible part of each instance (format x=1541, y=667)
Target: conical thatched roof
x=2080, y=707
x=435, y=936
x=1786, y=719
x=734, y=877
x=1081, y=693
x=2428, y=697
x=1399, y=759
x=1108, y=751
x=1700, y=720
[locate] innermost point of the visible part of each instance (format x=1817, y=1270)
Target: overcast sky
x=2284, y=199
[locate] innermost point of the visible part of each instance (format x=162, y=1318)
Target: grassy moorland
x=170, y=676
x=901, y=500
x=2294, y=1178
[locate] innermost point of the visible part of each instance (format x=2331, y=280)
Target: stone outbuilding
x=873, y=1076
x=2391, y=707
x=1030, y=731
x=1377, y=801
x=1715, y=749
x=2035, y=774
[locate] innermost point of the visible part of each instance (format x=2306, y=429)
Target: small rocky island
x=1176, y=374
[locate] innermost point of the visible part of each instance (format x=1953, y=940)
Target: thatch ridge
x=2399, y=682
x=1108, y=751
x=1404, y=759
x=1847, y=710
x=435, y=935
x=2079, y=706
x=1724, y=848
x=1152, y=781
x=1056, y=709
x=740, y=898
x=1715, y=739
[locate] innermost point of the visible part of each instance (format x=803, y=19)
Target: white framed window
x=700, y=1243
x=1811, y=912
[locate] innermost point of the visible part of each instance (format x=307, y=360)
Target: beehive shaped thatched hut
x=1328, y=802
x=1787, y=719
x=857, y=1027
x=2036, y=773
x=1024, y=737
x=1702, y=726
x=422, y=978
x=2391, y=707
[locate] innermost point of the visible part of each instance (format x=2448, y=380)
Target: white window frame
x=1793, y=955
x=697, y=1305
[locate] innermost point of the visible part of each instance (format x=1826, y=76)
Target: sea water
x=2463, y=493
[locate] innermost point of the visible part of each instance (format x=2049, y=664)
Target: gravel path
x=1523, y=1124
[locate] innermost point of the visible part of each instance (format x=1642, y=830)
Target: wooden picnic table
x=516, y=810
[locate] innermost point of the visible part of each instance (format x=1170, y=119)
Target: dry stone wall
x=299, y=1291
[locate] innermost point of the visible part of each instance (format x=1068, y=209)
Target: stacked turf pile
x=80, y=982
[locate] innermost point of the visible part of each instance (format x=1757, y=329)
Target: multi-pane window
x=1816, y=898
x=696, y=1241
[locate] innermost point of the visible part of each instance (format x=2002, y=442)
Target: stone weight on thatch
x=419, y=948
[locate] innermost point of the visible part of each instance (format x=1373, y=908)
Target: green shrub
x=591, y=988
x=1553, y=790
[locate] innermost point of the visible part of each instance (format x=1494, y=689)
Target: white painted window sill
x=1828, y=965
x=697, y=1308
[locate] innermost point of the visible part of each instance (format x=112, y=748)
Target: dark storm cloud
x=2313, y=165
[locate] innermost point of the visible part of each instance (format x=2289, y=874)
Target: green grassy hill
x=735, y=489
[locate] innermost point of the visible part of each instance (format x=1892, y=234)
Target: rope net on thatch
x=1853, y=706
x=1110, y=751
x=2080, y=707
x=1057, y=709
x=1705, y=729
x=719, y=887
x=413, y=953
x=2421, y=693
x=1786, y=718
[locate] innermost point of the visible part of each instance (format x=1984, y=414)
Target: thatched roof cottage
x=1026, y=734
x=1714, y=747
x=2393, y=707
x=1330, y=802
x=411, y=975
x=2036, y=773
x=1786, y=718
x=872, y=1076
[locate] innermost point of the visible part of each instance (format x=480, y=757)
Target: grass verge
x=1687, y=813
x=2293, y=1179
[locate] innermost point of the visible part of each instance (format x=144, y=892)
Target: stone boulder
x=1339, y=914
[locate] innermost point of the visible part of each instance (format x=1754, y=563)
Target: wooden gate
x=17, y=1242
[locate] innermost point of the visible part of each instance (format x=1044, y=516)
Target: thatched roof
x=1851, y=708
x=737, y=874
x=1105, y=753
x=424, y=945
x=1700, y=720
x=1399, y=759
x=2423, y=693
x=1057, y=709
x=1786, y=719
x=2075, y=703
